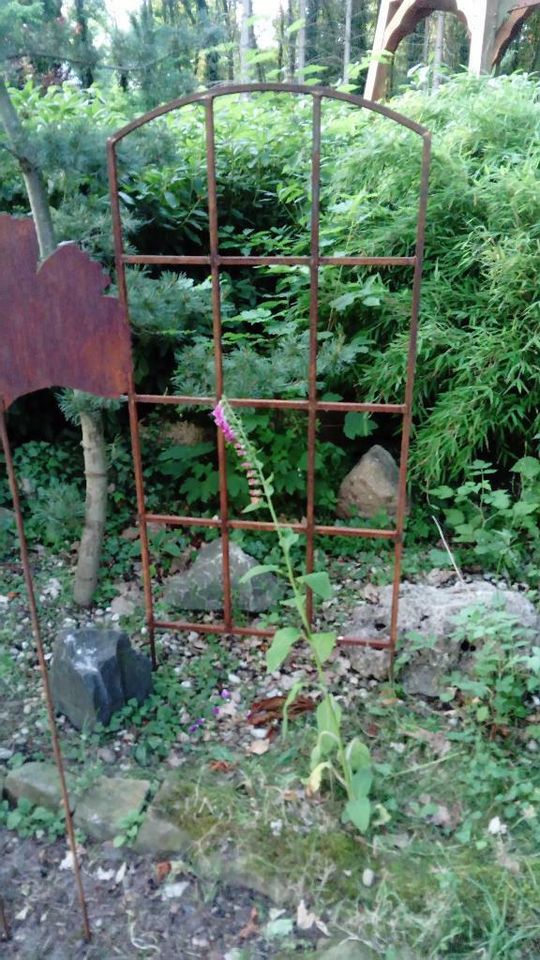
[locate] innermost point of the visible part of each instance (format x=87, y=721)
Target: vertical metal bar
x=132, y=405
x=23, y=549
x=409, y=392
x=313, y=324
x=218, y=354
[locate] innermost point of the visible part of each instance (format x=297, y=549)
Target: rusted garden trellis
x=40, y=347
x=215, y=260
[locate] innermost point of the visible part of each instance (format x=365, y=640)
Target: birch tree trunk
x=95, y=512
x=93, y=441
x=244, y=41
x=301, y=43
x=439, y=51
x=347, y=41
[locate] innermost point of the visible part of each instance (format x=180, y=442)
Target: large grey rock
x=35, y=781
x=104, y=807
x=95, y=672
x=371, y=486
x=429, y=612
x=201, y=587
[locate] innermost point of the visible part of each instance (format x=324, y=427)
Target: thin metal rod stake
x=23, y=548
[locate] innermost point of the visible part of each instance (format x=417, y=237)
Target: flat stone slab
x=95, y=672
x=37, y=782
x=201, y=586
x=107, y=803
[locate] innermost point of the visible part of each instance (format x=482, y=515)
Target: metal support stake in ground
x=23, y=548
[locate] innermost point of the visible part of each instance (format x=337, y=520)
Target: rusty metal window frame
x=216, y=261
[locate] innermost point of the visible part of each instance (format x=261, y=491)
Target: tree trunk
x=244, y=41
x=85, y=46
x=37, y=195
x=301, y=43
x=91, y=426
x=291, y=46
x=347, y=41
x=95, y=469
x=439, y=52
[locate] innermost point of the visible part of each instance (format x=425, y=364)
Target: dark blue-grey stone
x=94, y=672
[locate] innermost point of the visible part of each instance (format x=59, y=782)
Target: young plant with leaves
x=349, y=763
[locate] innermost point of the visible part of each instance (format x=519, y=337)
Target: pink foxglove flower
x=233, y=433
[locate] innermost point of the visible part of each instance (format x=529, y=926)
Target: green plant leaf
x=358, y=425
x=329, y=716
x=318, y=582
x=358, y=812
x=357, y=754
x=291, y=697
x=361, y=782
x=280, y=647
x=259, y=570
x=324, y=643
x=528, y=467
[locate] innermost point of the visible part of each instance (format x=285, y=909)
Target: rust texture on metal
x=312, y=406
x=34, y=619
x=57, y=328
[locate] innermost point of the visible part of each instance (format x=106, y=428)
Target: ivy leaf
x=259, y=570
x=280, y=647
x=358, y=812
x=324, y=643
x=319, y=583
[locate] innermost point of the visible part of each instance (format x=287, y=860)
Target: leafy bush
x=477, y=385
x=490, y=526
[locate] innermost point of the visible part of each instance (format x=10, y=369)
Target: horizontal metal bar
x=172, y=520
x=211, y=628
x=228, y=89
x=220, y=628
x=360, y=642
x=335, y=406
x=256, y=261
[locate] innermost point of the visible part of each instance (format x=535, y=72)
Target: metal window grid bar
x=312, y=406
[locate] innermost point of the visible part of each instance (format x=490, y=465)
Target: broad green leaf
x=318, y=582
x=288, y=538
x=528, y=467
x=345, y=300
x=295, y=26
x=357, y=754
x=357, y=425
x=358, y=812
x=329, y=716
x=482, y=714
x=280, y=647
x=324, y=643
x=291, y=697
x=361, y=782
x=259, y=570
x=442, y=493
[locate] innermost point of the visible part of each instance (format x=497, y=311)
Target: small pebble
x=368, y=877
